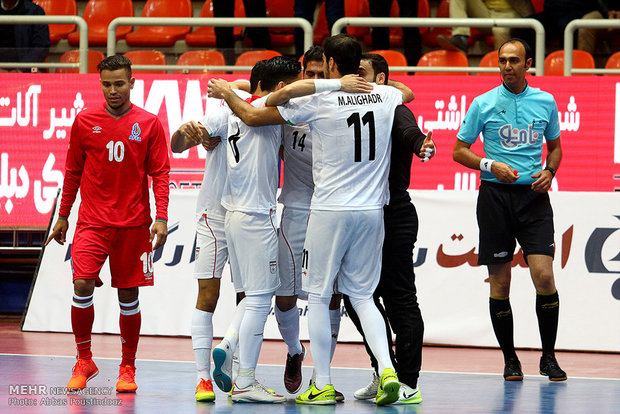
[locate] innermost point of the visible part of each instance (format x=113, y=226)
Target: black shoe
x=512, y=370
x=458, y=42
x=292, y=371
x=550, y=368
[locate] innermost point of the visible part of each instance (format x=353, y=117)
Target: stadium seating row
x=554, y=62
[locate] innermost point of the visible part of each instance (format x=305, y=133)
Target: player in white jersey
x=211, y=248
x=345, y=229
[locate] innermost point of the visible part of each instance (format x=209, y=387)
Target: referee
x=513, y=202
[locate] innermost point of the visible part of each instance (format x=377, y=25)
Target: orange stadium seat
x=161, y=35
x=73, y=56
x=146, y=57
x=429, y=38
x=613, y=62
x=394, y=58
x=201, y=57
x=490, y=60
x=250, y=58
x=98, y=15
x=357, y=8
x=280, y=36
x=205, y=35
x=443, y=58
x=62, y=8
x=554, y=62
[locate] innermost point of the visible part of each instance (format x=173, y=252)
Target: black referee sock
x=547, y=311
x=501, y=318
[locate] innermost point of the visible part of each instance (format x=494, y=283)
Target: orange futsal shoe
x=126, y=379
x=204, y=391
x=83, y=370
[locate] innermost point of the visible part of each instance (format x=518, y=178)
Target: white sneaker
x=369, y=391
x=222, y=373
x=254, y=393
x=408, y=395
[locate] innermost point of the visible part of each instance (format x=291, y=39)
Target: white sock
x=257, y=309
x=373, y=326
x=334, y=319
x=320, y=338
x=245, y=378
x=288, y=324
x=202, y=339
x=232, y=333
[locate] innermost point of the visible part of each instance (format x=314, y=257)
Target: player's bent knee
x=84, y=287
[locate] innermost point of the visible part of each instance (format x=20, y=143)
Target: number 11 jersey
x=351, y=144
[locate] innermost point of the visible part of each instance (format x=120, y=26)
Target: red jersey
x=109, y=159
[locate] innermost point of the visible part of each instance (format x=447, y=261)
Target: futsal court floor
x=35, y=367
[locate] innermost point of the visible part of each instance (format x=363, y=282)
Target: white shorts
x=343, y=247
x=253, y=246
x=291, y=237
x=211, y=248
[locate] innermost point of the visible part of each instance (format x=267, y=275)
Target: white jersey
x=252, y=165
x=298, y=185
x=351, y=145
x=214, y=178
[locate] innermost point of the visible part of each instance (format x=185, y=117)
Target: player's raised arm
x=249, y=114
x=187, y=136
x=408, y=95
x=348, y=83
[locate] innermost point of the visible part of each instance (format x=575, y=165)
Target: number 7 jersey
x=351, y=143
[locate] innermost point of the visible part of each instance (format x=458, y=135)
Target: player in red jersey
x=113, y=148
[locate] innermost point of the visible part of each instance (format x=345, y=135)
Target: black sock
x=501, y=318
x=547, y=311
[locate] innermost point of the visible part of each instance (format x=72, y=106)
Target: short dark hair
x=279, y=69
x=346, y=52
x=526, y=47
x=314, y=54
x=378, y=63
x=257, y=74
x=115, y=62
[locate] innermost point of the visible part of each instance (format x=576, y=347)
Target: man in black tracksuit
x=397, y=284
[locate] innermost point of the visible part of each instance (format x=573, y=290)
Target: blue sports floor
x=167, y=387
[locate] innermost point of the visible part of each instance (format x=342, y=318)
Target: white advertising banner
x=452, y=291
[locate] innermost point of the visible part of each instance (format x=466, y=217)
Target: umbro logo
x=97, y=129
x=500, y=254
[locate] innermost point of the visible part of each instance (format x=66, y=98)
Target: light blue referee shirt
x=512, y=128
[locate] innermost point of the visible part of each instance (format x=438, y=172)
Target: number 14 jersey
x=351, y=143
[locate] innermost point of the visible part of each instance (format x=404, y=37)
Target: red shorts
x=129, y=250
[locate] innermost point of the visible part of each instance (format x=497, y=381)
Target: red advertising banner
x=37, y=111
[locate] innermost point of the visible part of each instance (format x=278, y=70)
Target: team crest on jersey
x=135, y=133
x=273, y=266
x=514, y=137
x=97, y=129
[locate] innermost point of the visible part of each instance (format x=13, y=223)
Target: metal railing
x=83, y=47
x=207, y=21
x=569, y=32
x=447, y=22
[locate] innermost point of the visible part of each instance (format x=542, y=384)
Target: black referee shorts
x=507, y=212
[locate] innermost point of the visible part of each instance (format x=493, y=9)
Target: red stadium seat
x=394, y=58
x=321, y=30
x=357, y=8
x=161, y=35
x=554, y=62
x=443, y=58
x=73, y=56
x=430, y=37
x=613, y=62
x=490, y=60
x=250, y=58
x=538, y=5
x=205, y=35
x=146, y=57
x=201, y=57
x=98, y=15
x=396, y=33
x=280, y=36
x=62, y=8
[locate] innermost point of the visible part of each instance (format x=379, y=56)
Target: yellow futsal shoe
x=314, y=396
x=388, y=387
x=204, y=391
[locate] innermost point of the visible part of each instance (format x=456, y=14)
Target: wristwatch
x=551, y=170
